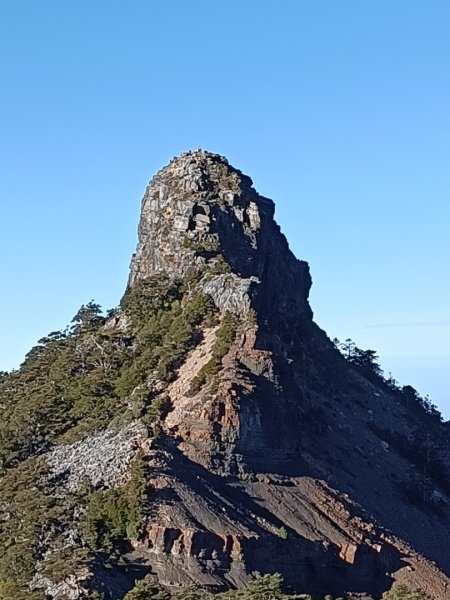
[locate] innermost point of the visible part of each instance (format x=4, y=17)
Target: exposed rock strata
x=284, y=444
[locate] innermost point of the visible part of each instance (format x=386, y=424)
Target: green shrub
x=224, y=338
x=165, y=319
x=266, y=587
x=11, y=590
x=116, y=514
x=402, y=592
x=147, y=589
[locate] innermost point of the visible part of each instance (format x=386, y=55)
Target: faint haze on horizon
x=338, y=111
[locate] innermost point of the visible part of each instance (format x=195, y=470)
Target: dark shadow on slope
x=307, y=566
x=319, y=408
x=116, y=580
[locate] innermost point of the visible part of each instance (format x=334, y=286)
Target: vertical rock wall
x=198, y=207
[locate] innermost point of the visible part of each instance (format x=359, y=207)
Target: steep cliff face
x=208, y=429
x=287, y=440
x=198, y=208
x=200, y=214
x=284, y=404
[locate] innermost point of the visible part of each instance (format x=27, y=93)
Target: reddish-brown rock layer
x=283, y=464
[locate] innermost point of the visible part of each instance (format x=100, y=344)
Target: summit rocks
x=199, y=207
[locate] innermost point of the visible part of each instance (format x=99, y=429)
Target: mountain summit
x=198, y=208
x=208, y=429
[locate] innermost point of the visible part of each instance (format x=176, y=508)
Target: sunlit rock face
x=198, y=207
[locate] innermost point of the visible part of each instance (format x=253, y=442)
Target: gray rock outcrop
x=199, y=206
x=102, y=458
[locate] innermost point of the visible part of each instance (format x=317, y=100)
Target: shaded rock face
x=276, y=466
x=199, y=206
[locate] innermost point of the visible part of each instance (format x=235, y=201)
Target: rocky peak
x=286, y=433
x=199, y=210
x=203, y=445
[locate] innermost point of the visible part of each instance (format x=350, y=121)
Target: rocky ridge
x=209, y=430
x=284, y=444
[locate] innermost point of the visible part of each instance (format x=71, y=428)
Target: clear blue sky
x=339, y=111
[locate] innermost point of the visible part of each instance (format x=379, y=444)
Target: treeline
x=266, y=587
x=367, y=362
x=427, y=446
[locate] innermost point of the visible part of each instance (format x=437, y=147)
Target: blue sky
x=339, y=111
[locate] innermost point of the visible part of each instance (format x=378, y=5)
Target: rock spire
x=198, y=207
